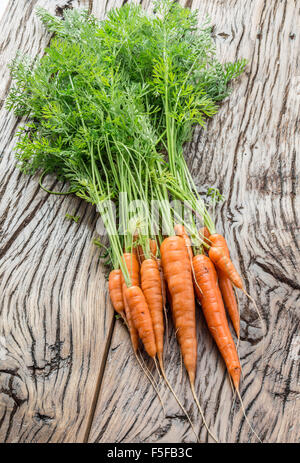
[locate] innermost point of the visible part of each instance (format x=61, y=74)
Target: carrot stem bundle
x=213, y=308
x=224, y=263
x=225, y=284
x=177, y=271
x=115, y=291
x=229, y=299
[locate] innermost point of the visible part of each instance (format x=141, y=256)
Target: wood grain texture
x=54, y=298
x=55, y=318
x=250, y=151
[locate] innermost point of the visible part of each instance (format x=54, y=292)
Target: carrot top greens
x=177, y=60
x=111, y=104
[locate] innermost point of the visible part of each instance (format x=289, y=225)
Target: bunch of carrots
x=110, y=106
x=179, y=276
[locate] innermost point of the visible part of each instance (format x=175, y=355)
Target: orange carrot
x=229, y=299
x=213, y=308
x=177, y=270
x=130, y=324
x=133, y=268
x=151, y=286
x=204, y=234
x=131, y=262
x=141, y=318
x=223, y=262
x=219, y=241
x=226, y=285
x=115, y=290
x=162, y=282
x=140, y=254
x=219, y=329
x=165, y=297
x=136, y=253
x=180, y=231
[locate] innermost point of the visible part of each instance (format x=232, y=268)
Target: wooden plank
x=250, y=152
x=53, y=292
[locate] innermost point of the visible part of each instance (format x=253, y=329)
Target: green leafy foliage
x=175, y=57
x=110, y=98
x=75, y=218
x=215, y=195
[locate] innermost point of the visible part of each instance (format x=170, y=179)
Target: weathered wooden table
x=67, y=373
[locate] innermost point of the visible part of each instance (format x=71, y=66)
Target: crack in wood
x=59, y=10
x=45, y=419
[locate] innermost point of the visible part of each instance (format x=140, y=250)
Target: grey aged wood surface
x=67, y=373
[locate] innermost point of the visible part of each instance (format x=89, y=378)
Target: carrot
x=167, y=297
x=219, y=254
x=152, y=289
x=180, y=231
x=135, y=251
x=224, y=263
x=226, y=285
x=219, y=241
x=213, y=308
x=225, y=282
x=130, y=324
x=162, y=282
x=115, y=290
x=133, y=268
x=204, y=234
x=229, y=299
x=177, y=271
x=131, y=262
x=141, y=318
